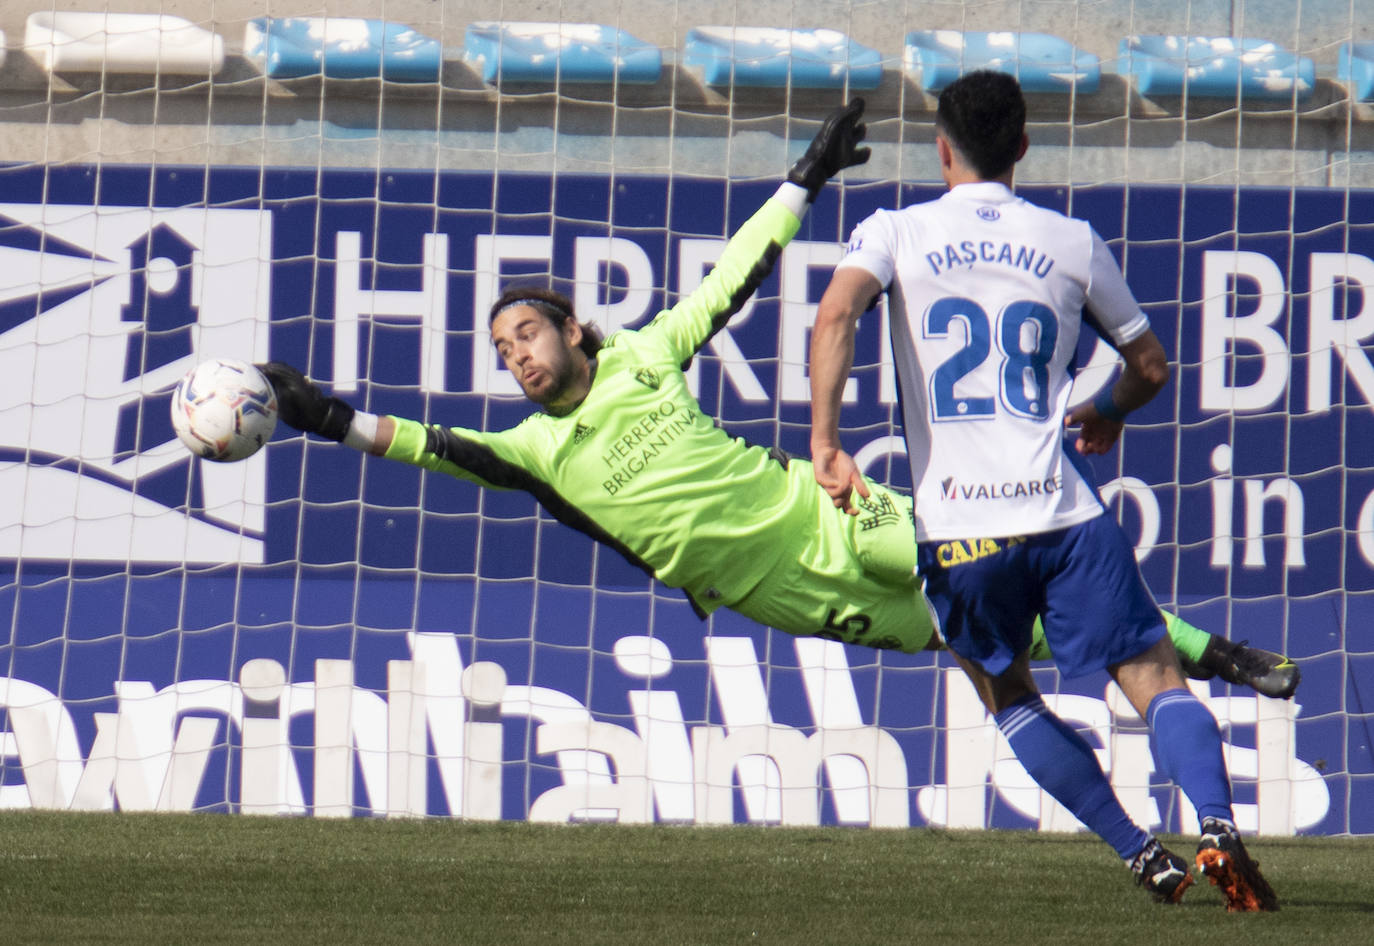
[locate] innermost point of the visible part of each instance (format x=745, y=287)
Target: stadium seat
x=122, y=43
x=341, y=48
x=571, y=52
x=1041, y=62
x=1223, y=66
x=775, y=58
x=1356, y=66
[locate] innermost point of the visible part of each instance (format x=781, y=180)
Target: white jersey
x=987, y=296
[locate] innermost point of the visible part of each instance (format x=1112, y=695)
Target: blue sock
x=1186, y=744
x=1063, y=764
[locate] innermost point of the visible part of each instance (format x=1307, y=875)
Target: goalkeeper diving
x=621, y=450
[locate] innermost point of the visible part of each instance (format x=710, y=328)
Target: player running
x=988, y=294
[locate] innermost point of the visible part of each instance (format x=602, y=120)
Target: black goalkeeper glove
x=304, y=406
x=835, y=147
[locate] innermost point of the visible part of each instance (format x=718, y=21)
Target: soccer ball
x=224, y=410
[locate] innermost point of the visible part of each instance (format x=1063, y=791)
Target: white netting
x=309, y=631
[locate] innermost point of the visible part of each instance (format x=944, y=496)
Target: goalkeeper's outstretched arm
x=754, y=249
x=304, y=405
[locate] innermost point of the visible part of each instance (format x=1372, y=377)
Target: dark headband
x=555, y=312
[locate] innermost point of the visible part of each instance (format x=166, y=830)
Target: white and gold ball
x=224, y=410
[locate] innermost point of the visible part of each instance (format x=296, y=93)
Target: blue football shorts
x=1082, y=581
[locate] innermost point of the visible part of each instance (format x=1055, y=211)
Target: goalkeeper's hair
x=983, y=115
x=554, y=306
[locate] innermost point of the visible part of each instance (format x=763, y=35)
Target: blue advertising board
x=316, y=632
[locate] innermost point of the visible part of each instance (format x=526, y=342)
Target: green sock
x=1040, y=648
x=1188, y=640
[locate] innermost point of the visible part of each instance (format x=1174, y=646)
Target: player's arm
x=1100, y=420
x=753, y=251
x=848, y=296
x=1115, y=313
x=488, y=459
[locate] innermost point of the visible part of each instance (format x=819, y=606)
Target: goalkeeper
x=622, y=452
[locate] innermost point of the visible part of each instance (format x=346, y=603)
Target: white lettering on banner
x=590, y=254
x=887, y=365
x=126, y=300
x=777, y=765
x=1292, y=794
x=1231, y=281
x=694, y=258
x=488, y=374
x=1223, y=274
x=1335, y=279
x=151, y=754
x=799, y=315
x=1281, y=490
x=1138, y=492
x=427, y=305
x=869, y=782
x=1332, y=330
x=662, y=727
x=1364, y=529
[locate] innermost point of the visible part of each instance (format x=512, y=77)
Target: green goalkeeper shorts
x=846, y=578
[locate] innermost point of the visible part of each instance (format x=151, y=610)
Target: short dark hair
x=551, y=304
x=983, y=114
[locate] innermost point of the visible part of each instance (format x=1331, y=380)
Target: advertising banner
x=313, y=632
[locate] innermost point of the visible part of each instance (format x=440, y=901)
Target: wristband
x=1106, y=406
x=362, y=431
x=794, y=197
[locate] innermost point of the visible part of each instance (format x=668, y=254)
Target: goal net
x=310, y=631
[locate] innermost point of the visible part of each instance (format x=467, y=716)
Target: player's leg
x=986, y=606
x=883, y=534
x=886, y=546
x=1191, y=756
x=845, y=578
x=1205, y=655
x=802, y=599
x=1097, y=605
x=1064, y=765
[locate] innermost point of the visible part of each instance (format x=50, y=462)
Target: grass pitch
x=209, y=879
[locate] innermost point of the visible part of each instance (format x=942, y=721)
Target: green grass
x=205, y=879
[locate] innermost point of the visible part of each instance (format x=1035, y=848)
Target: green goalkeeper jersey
x=638, y=465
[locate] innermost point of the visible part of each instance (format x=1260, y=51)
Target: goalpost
x=312, y=632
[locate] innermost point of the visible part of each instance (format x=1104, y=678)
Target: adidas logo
x=581, y=432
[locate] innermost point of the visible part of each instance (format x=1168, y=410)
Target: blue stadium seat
x=775, y=58
x=1041, y=62
x=341, y=48
x=143, y=43
x=571, y=52
x=1216, y=66
x=1356, y=66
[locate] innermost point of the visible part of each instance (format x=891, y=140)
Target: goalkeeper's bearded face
x=543, y=357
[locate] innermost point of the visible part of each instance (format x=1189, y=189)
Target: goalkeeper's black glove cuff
x=338, y=417
x=304, y=406
x=806, y=173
